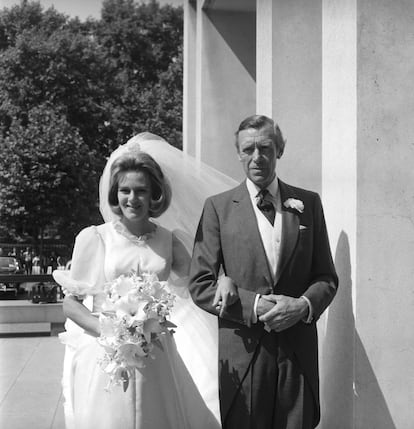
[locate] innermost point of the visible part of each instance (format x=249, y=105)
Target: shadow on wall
x=351, y=395
x=242, y=43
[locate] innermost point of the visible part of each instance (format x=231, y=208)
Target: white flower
x=108, y=325
x=156, y=290
x=132, y=321
x=292, y=203
x=123, y=285
x=131, y=308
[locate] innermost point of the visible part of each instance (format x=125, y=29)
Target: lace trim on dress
x=120, y=228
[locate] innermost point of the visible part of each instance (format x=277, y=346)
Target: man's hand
x=265, y=304
x=285, y=312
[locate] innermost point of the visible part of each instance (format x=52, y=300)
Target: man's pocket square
x=303, y=227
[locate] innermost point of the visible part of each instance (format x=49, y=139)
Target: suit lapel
x=247, y=226
x=290, y=229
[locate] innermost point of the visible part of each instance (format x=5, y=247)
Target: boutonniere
x=292, y=203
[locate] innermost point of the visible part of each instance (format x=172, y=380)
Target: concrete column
x=190, y=83
x=385, y=270
x=199, y=79
x=289, y=65
x=368, y=153
x=339, y=191
x=224, y=84
x=264, y=58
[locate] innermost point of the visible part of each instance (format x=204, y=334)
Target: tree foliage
x=72, y=91
x=46, y=167
x=144, y=44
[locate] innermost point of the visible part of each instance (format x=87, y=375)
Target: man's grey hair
x=258, y=122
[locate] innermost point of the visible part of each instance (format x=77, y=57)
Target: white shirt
x=271, y=235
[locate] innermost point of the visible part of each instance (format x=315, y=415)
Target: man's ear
x=279, y=154
x=238, y=151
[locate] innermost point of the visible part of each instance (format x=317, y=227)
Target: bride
x=178, y=388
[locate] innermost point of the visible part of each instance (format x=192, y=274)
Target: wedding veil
x=191, y=182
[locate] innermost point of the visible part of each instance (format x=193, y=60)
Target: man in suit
x=270, y=238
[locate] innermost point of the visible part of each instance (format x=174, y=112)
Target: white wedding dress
x=176, y=390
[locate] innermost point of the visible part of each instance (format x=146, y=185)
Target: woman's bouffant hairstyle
x=140, y=162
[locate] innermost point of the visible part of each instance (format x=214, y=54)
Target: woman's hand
x=226, y=294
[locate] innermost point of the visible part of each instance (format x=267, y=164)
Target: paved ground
x=30, y=389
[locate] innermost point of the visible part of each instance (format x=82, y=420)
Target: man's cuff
x=254, y=314
x=309, y=318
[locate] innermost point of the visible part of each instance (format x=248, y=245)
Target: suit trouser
x=274, y=394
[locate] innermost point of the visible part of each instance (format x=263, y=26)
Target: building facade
x=337, y=77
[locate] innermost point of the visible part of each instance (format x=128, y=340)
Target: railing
x=39, y=292
x=25, y=278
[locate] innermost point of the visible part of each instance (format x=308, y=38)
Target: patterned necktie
x=265, y=205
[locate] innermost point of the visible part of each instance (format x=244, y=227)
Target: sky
x=80, y=8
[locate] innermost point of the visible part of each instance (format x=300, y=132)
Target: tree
x=28, y=16
x=63, y=69
x=45, y=176
x=164, y=103
x=88, y=87
x=144, y=43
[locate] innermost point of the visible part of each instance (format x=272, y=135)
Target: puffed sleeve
x=86, y=275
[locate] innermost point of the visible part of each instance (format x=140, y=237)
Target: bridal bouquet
x=133, y=319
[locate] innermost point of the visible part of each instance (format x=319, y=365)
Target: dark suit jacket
x=228, y=237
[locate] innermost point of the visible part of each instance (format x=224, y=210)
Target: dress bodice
x=124, y=252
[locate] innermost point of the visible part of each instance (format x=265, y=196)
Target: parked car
x=9, y=265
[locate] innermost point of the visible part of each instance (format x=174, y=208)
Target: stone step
x=24, y=311
x=26, y=328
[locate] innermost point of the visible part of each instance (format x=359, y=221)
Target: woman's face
x=134, y=195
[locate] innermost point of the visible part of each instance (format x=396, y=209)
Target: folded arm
x=280, y=312
x=206, y=263
x=82, y=316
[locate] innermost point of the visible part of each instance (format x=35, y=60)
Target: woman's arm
x=85, y=278
x=78, y=313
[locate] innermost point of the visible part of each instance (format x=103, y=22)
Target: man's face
x=258, y=155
